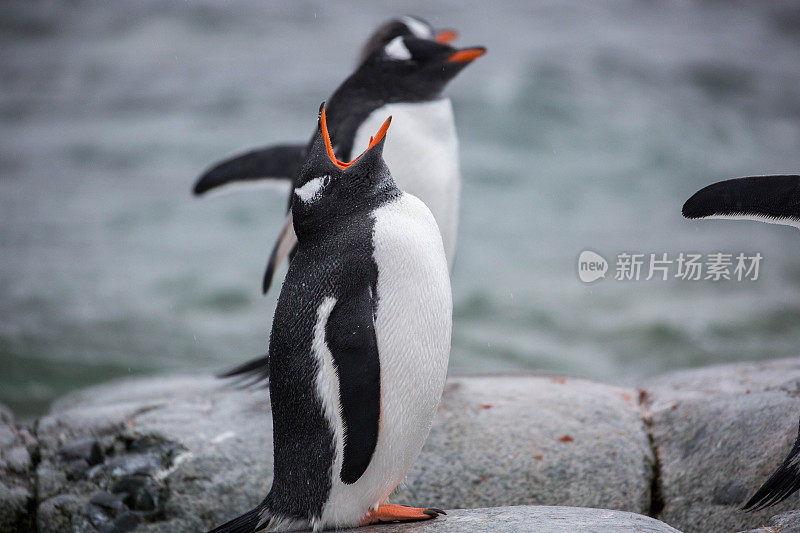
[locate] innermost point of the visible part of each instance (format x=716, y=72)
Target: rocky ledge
x=184, y=453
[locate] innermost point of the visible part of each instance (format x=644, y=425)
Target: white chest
x=412, y=327
x=422, y=154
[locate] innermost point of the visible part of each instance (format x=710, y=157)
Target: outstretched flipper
x=780, y=485
x=285, y=245
x=272, y=163
x=771, y=199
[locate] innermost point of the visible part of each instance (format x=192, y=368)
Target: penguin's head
x=402, y=26
x=328, y=189
x=414, y=69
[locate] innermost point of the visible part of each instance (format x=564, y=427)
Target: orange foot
x=399, y=513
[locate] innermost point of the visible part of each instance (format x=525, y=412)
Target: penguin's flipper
x=350, y=336
x=780, y=485
x=400, y=513
x=251, y=373
x=278, y=162
x=285, y=245
x=772, y=199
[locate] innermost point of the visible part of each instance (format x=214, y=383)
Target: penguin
x=279, y=162
x=404, y=78
x=359, y=345
x=774, y=200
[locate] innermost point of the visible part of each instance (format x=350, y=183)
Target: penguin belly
x=413, y=323
x=422, y=155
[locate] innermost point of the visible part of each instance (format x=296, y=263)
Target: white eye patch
x=312, y=190
x=396, y=49
x=417, y=27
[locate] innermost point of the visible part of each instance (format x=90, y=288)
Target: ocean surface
x=586, y=126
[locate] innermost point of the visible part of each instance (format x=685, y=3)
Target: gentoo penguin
x=359, y=345
x=279, y=162
x=405, y=79
x=775, y=200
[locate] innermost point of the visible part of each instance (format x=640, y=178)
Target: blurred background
x=587, y=125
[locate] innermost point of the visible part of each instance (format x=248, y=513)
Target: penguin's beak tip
x=465, y=55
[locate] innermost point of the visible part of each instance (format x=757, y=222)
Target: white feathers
x=417, y=27
x=784, y=221
x=312, y=190
x=422, y=155
x=396, y=49
x=412, y=327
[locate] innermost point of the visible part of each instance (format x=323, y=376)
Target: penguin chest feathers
x=422, y=155
x=413, y=320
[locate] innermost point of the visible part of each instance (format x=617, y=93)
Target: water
x=585, y=126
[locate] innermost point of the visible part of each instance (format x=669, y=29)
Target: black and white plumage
x=400, y=27
x=359, y=346
x=774, y=200
x=405, y=79
x=780, y=485
x=770, y=199
x=279, y=162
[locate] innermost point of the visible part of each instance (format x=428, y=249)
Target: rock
x=187, y=453
x=179, y=454
x=533, y=519
x=719, y=433
x=17, y=446
x=788, y=522
x=533, y=440
x=87, y=450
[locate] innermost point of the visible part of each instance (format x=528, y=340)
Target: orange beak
x=445, y=36
x=329, y=148
x=467, y=54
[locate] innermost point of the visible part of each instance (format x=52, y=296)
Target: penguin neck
x=357, y=98
x=314, y=224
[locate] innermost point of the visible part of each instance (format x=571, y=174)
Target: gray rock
x=533, y=440
x=532, y=519
x=788, y=522
x=16, y=463
x=201, y=452
x=719, y=433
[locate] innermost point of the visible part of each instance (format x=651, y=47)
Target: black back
x=334, y=259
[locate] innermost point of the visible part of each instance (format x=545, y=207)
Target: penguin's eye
x=397, y=50
x=312, y=190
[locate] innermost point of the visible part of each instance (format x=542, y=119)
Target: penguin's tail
x=249, y=374
x=780, y=485
x=246, y=523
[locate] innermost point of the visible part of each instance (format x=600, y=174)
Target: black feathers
x=272, y=162
x=780, y=485
x=245, y=523
x=250, y=373
x=770, y=198
x=350, y=333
